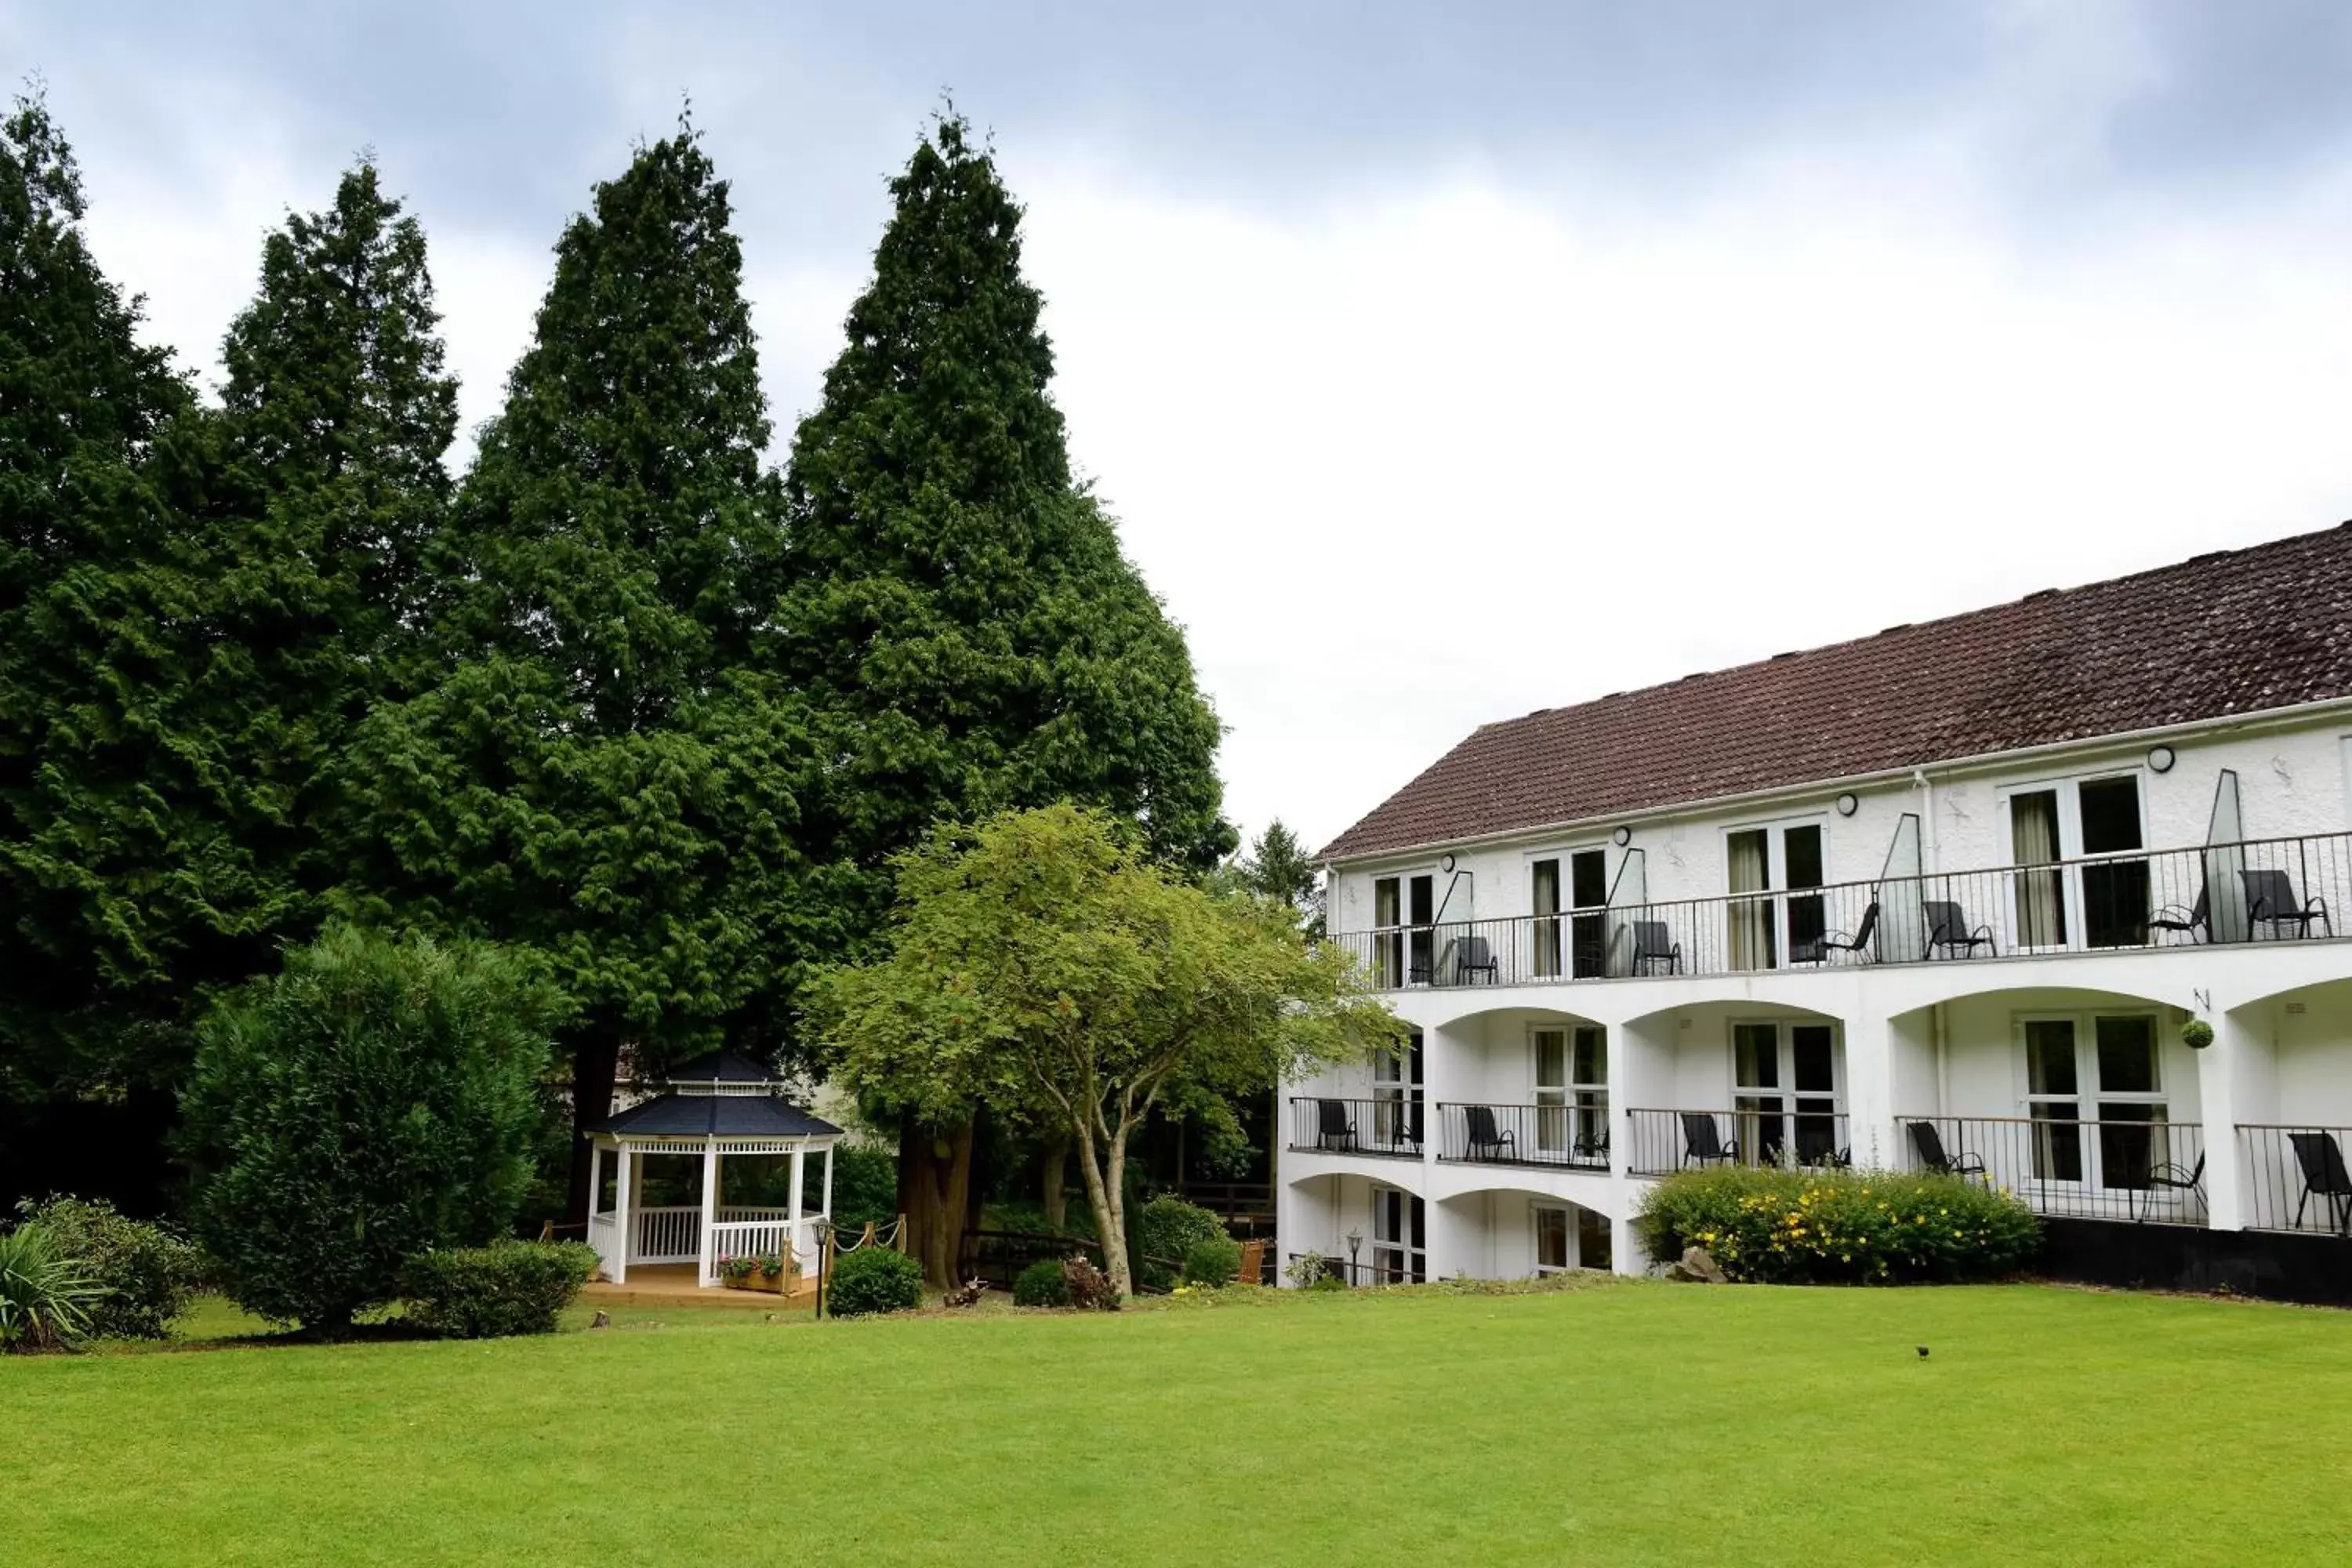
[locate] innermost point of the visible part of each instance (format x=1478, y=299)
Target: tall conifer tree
x=958, y=612
x=600, y=774
x=121, y=875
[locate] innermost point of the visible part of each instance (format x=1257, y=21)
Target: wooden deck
x=673, y=1285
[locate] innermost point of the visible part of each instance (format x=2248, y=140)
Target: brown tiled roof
x=2233, y=632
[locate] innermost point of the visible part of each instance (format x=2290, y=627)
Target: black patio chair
x=1476, y=955
x=1928, y=1143
x=2190, y=922
x=1704, y=1143
x=1333, y=1127
x=2324, y=1176
x=2271, y=901
x=1484, y=1140
x=2169, y=1174
x=1948, y=929
x=1819, y=950
x=1655, y=944
x=1590, y=1148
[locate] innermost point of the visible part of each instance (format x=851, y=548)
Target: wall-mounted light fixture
x=1445, y=864
x=2160, y=759
x=1621, y=838
x=1848, y=803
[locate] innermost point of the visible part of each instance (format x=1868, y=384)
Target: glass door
x=2082, y=868
x=1785, y=1093
x=1786, y=860
x=1588, y=1093
x=2053, y=1100
x=2114, y=873
x=1552, y=1093
x=1388, y=941
x=1396, y=1097
x=1419, y=940
x=1759, y=1108
x=1546, y=874
x=1812, y=1073
x=1397, y=1255
x=1569, y=1235
x=2133, y=1137
x=1588, y=889
x=2040, y=890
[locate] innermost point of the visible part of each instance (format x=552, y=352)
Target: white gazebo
x=714, y=1106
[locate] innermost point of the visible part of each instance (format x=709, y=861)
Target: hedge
x=489, y=1292
x=1777, y=1227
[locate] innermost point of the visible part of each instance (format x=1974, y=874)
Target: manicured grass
x=1618, y=1423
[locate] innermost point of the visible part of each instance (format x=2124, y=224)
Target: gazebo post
x=709, y=1209
x=828, y=1210
x=595, y=1184
x=624, y=1221
x=792, y=1231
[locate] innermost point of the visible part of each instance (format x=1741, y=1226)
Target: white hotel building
x=1951, y=893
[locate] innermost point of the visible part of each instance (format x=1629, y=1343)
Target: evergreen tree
x=599, y=773
x=123, y=882
x=958, y=613
x=1278, y=866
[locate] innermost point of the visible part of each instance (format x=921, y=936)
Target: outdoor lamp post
x=1355, y=1242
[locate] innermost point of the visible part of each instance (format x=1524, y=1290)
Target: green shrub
x=487, y=1292
x=874, y=1279
x=1040, y=1285
x=375, y=1101
x=146, y=1272
x=1215, y=1261
x=864, y=1186
x=46, y=1294
x=1775, y=1227
x=1167, y=1228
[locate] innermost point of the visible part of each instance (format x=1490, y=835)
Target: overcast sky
x=1440, y=362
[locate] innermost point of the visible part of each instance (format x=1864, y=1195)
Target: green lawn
x=1619, y=1423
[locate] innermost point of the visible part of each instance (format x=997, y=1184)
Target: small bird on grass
x=1923, y=1352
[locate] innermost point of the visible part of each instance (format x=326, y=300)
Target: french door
x=1396, y=1097
x=1766, y=932
x=1398, y=1256
x=1569, y=1235
x=1575, y=945
x=1404, y=908
x=2082, y=876
x=1571, y=1071
x=2114, y=1063
x=1785, y=1092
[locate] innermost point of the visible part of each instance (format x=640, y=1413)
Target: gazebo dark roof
x=718, y=1116
x=720, y=1066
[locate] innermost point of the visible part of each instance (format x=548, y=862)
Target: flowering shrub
x=1839, y=1228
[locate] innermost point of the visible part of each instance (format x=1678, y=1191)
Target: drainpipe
x=1931, y=851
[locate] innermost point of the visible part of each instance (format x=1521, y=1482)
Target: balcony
x=1763, y=1130
x=2141, y=1168
x=2296, y=1178
x=1557, y=1137
x=1387, y=1126
x=2256, y=891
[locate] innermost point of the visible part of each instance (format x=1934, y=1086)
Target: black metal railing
x=2296, y=1177
x=1384, y=1125
x=1389, y=1266
x=2130, y=1163
x=2272, y=890
x=1573, y=1136
x=1792, y=1129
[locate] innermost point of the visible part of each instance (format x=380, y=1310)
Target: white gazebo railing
x=758, y=1239
x=674, y=1234
x=604, y=1235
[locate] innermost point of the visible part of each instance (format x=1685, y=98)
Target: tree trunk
x=1054, y=1193
x=935, y=1194
x=1104, y=1198
x=595, y=1063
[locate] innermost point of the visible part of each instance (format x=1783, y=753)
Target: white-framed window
x=1787, y=1087
x=1570, y=1064
x=1404, y=909
x=2105, y=1068
x=2081, y=877
x=1569, y=1235
x=1568, y=890
x=1396, y=1096
x=1398, y=1237
x=1767, y=858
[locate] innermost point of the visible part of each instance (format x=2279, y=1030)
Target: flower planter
x=774, y=1285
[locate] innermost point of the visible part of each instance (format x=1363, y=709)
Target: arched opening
x=2285, y=1065
x=1356, y=1227
x=1515, y=1232
x=1739, y=1082
x=1522, y=1086
x=2085, y=1104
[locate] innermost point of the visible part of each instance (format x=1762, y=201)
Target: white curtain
x=1751, y=918
x=2033, y=835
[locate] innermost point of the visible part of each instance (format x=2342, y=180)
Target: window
x=2117, y=1056
x=1396, y=1097
x=1406, y=902
x=1587, y=889
x=1398, y=1257
x=1571, y=1071
x=2078, y=849
x=1785, y=1092
x=1569, y=1235
x=1786, y=859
